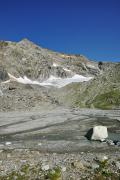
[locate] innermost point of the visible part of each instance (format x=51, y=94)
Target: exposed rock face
x=27, y=59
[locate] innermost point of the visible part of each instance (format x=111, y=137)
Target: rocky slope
x=81, y=82
x=26, y=58
x=102, y=92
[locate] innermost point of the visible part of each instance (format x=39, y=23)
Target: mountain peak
x=26, y=42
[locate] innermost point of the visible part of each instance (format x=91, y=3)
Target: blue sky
x=88, y=27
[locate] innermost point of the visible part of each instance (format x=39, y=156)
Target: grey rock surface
x=57, y=129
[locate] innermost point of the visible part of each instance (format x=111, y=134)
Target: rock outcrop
x=26, y=58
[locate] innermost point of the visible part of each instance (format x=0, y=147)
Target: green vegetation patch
x=53, y=174
x=27, y=172
x=104, y=173
x=107, y=100
x=3, y=44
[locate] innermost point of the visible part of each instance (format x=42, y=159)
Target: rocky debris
x=112, y=142
x=101, y=158
x=63, y=168
x=118, y=164
x=29, y=164
x=45, y=167
x=78, y=164
x=15, y=96
x=95, y=166
x=97, y=133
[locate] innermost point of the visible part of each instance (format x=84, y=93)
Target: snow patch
x=52, y=80
x=24, y=59
x=23, y=80
x=8, y=143
x=91, y=66
x=65, y=69
x=61, y=82
x=55, y=65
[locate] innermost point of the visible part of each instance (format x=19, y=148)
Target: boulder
x=97, y=133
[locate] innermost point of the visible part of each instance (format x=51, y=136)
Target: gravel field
x=30, y=164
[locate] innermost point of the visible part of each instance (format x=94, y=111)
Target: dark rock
x=89, y=134
x=3, y=74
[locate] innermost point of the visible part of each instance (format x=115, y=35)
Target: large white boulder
x=99, y=133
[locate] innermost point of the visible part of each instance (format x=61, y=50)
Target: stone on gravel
x=45, y=167
x=110, y=142
x=95, y=166
x=8, y=143
x=63, y=169
x=118, y=143
x=78, y=165
x=39, y=144
x=101, y=158
x=98, y=133
x=8, y=155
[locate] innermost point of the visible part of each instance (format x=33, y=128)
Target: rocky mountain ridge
x=26, y=58
x=38, y=64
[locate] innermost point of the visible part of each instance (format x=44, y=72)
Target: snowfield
x=51, y=81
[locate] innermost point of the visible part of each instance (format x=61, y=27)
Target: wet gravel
x=58, y=130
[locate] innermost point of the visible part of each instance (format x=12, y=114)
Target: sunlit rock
x=97, y=133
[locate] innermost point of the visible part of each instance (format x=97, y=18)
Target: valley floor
x=52, y=142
